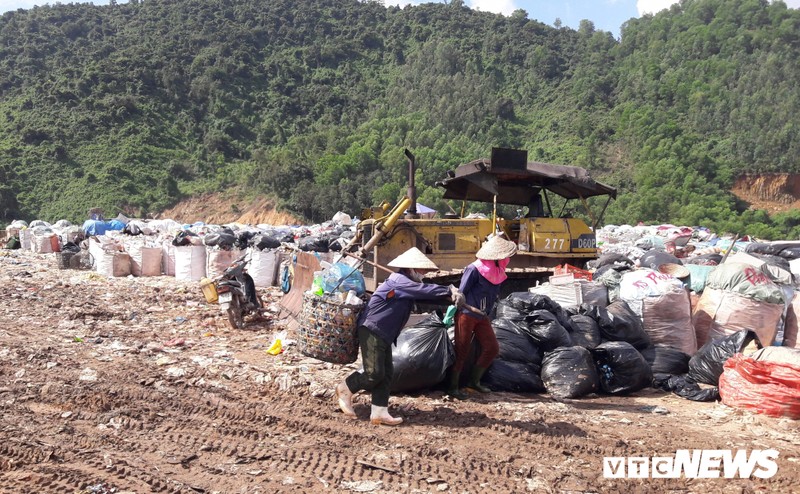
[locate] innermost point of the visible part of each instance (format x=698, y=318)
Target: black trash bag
x=514, y=342
x=654, y=258
x=182, y=238
x=220, y=239
x=285, y=237
x=243, y=238
x=666, y=360
x=313, y=243
x=705, y=366
x=586, y=332
x=609, y=258
x=621, y=368
x=685, y=388
x=13, y=243
x=265, y=241
x=778, y=261
x=619, y=323
x=516, y=377
x=71, y=247
x=335, y=244
x=705, y=260
x=520, y=304
x=421, y=355
x=787, y=249
x=569, y=372
x=546, y=331
x=131, y=229
x=595, y=293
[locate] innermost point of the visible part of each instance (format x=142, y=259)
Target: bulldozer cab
x=547, y=234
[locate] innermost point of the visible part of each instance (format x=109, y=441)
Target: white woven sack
x=637, y=285
x=190, y=262
x=168, y=258
x=263, y=267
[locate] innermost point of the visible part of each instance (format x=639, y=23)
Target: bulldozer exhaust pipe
x=412, y=189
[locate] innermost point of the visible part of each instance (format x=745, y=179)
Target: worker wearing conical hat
x=379, y=325
x=480, y=285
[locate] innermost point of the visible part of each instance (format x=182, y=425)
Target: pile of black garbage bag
x=567, y=353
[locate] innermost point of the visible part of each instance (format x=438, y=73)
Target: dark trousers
x=376, y=356
x=466, y=326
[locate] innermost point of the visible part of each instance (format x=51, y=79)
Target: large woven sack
x=790, y=330
x=720, y=313
x=771, y=388
x=668, y=320
x=218, y=260
x=263, y=267
x=113, y=263
x=190, y=262
x=168, y=258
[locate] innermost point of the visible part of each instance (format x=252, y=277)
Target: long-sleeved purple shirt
x=389, y=308
x=478, y=291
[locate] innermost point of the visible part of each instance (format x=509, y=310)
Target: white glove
x=457, y=297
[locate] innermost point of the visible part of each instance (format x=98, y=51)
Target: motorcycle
x=236, y=293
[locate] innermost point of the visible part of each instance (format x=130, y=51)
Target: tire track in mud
x=222, y=432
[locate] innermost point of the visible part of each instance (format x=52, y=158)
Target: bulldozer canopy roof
x=479, y=180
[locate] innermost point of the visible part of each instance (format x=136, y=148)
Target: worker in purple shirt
x=379, y=325
x=480, y=284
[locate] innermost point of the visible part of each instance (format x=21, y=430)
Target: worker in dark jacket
x=480, y=285
x=379, y=325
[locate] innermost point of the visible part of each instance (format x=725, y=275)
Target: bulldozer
x=547, y=236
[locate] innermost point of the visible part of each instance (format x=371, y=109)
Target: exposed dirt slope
x=774, y=193
x=222, y=208
x=136, y=385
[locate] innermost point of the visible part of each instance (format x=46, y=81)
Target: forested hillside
x=130, y=107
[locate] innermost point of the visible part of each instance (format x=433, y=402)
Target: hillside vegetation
x=132, y=107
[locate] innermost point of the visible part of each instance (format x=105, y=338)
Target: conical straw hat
x=413, y=258
x=496, y=248
x=676, y=270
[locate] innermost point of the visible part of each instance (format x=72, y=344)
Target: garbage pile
x=138, y=247
x=675, y=308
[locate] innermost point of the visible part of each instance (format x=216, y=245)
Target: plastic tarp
x=94, y=227
x=771, y=388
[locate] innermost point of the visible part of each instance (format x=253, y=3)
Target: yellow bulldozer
x=546, y=238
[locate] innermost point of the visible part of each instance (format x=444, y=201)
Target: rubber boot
x=452, y=390
x=380, y=416
x=344, y=398
x=475, y=380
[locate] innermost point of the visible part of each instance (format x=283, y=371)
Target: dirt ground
x=137, y=385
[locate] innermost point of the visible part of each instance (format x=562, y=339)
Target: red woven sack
x=770, y=388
